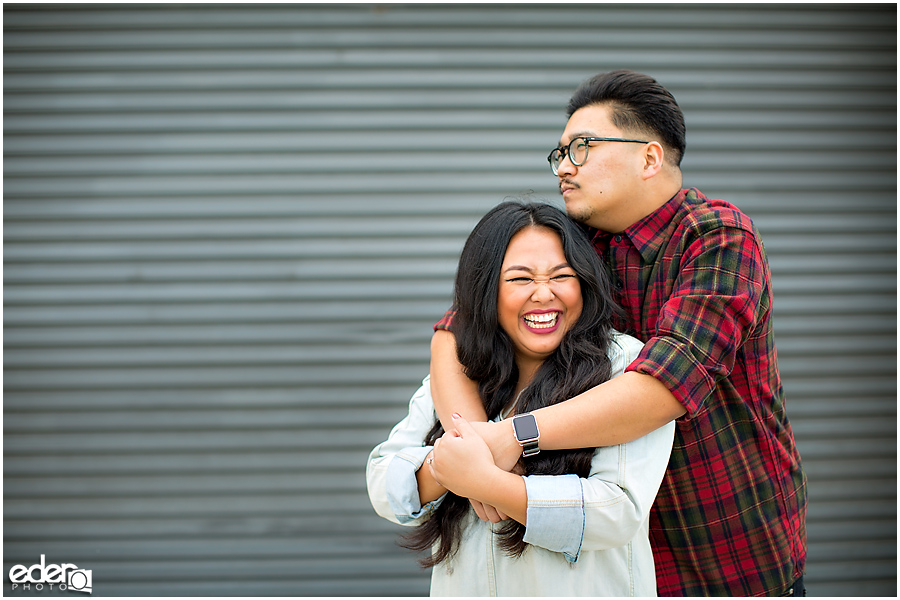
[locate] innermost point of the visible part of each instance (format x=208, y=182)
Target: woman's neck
x=527, y=371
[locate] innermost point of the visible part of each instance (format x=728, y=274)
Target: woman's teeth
x=542, y=321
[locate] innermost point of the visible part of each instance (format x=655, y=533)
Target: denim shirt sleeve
x=392, y=465
x=555, y=513
x=401, y=486
x=568, y=514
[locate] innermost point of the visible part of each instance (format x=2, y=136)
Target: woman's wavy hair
x=488, y=357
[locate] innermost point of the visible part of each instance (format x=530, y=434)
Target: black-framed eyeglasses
x=577, y=150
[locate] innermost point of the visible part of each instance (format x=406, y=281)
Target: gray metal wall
x=228, y=230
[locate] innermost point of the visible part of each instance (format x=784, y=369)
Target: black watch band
x=530, y=448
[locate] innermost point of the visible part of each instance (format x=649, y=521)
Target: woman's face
x=539, y=296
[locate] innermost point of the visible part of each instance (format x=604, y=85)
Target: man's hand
x=486, y=512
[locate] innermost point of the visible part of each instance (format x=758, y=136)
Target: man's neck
x=660, y=189
x=655, y=194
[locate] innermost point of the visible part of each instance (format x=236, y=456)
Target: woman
x=532, y=328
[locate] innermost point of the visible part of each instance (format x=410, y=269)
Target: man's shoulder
x=704, y=214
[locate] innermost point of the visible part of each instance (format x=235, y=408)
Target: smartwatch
x=526, y=431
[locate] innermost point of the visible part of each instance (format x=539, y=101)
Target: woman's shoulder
x=623, y=349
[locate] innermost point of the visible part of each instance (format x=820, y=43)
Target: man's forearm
x=451, y=390
x=618, y=411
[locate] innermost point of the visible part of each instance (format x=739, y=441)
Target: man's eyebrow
x=578, y=135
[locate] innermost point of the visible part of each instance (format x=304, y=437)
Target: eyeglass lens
x=577, y=151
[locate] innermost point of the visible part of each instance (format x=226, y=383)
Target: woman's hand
x=463, y=462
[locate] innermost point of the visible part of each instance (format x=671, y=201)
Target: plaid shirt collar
x=649, y=234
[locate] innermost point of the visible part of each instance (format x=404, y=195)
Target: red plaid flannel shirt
x=730, y=516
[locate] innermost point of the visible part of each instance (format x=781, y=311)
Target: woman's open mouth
x=546, y=320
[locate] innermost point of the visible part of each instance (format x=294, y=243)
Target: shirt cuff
x=403, y=488
x=555, y=514
x=674, y=366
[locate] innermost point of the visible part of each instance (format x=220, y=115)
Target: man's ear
x=654, y=157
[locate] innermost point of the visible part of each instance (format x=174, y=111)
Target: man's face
x=601, y=192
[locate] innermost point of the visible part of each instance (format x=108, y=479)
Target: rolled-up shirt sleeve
x=402, y=487
x=568, y=514
x=555, y=513
x=717, y=302
x=392, y=465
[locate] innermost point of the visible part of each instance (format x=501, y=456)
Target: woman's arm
x=399, y=488
x=429, y=489
x=608, y=508
x=562, y=513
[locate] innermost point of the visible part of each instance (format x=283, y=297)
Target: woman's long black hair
x=488, y=356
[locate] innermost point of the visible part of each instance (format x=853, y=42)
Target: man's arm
x=615, y=412
x=620, y=410
x=463, y=463
x=451, y=390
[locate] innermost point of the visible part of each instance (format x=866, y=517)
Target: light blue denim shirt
x=588, y=536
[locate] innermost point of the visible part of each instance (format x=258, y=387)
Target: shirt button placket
x=617, y=281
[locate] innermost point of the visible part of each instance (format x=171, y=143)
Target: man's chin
x=579, y=215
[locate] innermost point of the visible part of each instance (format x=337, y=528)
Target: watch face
x=526, y=427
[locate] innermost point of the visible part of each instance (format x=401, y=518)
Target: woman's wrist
x=429, y=488
x=506, y=492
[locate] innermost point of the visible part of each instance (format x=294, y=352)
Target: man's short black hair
x=639, y=105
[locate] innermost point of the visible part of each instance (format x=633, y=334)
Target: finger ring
x=429, y=460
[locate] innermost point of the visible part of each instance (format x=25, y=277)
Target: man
x=692, y=277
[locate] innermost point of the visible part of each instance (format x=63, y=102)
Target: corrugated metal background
x=229, y=228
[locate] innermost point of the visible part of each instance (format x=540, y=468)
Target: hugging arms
x=533, y=326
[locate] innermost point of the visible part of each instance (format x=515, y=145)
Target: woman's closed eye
x=556, y=278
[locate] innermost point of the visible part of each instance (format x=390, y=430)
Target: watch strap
x=530, y=448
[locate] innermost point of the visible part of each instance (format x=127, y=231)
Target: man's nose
x=566, y=167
